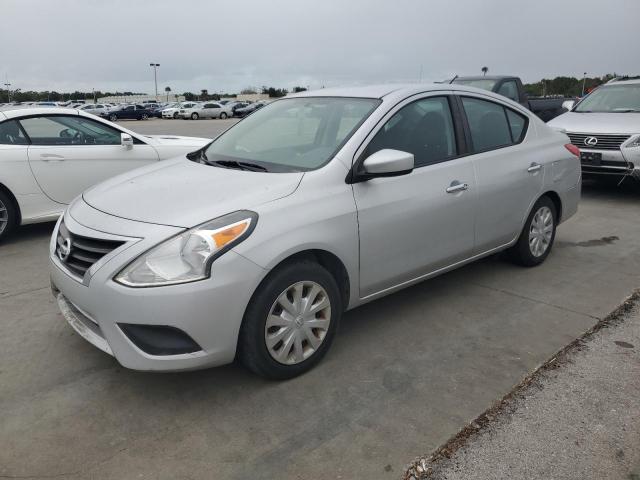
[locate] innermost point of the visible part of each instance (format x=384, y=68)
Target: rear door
x=70, y=153
x=415, y=224
x=509, y=172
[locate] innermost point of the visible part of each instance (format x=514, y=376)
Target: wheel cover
x=4, y=217
x=541, y=231
x=297, y=323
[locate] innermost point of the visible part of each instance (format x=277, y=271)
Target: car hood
x=184, y=194
x=164, y=140
x=621, y=123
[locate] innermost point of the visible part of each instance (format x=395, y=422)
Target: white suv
x=605, y=125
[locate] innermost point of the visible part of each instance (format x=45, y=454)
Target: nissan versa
x=253, y=246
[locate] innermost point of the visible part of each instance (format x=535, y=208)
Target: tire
x=113, y=117
x=194, y=116
x=175, y=115
x=306, y=277
x=8, y=216
x=145, y=116
x=537, y=236
x=223, y=116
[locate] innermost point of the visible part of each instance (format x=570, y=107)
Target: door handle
x=534, y=167
x=457, y=187
x=46, y=157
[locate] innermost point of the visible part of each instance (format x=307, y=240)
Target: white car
x=95, y=108
x=49, y=156
x=174, y=112
x=206, y=110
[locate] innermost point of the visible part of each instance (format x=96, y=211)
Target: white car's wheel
x=194, y=116
x=175, y=115
x=223, y=116
x=8, y=215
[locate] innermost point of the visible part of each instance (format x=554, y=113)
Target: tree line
x=567, y=86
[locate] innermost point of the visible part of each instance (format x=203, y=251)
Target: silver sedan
x=253, y=246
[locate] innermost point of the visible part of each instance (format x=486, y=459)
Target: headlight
x=187, y=257
x=634, y=143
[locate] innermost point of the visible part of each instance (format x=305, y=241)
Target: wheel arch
x=557, y=202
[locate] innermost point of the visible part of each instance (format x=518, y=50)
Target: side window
x=424, y=128
x=510, y=90
x=517, y=123
x=66, y=130
x=129, y=107
x=488, y=124
x=11, y=134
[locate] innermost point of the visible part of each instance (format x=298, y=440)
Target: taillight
x=573, y=149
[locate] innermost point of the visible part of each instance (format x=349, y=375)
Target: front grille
x=604, y=141
x=78, y=253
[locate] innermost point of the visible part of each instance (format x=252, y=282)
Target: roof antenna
x=453, y=79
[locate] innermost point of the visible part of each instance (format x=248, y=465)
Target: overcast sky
x=225, y=45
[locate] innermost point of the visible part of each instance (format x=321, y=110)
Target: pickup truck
x=511, y=87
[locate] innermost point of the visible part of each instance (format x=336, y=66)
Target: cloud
x=227, y=45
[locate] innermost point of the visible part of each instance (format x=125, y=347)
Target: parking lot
x=405, y=372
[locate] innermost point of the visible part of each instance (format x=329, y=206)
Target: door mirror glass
x=126, y=140
x=388, y=163
x=568, y=105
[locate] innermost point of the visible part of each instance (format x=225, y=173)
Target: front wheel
x=223, y=116
x=145, y=116
x=175, y=115
x=113, y=117
x=194, y=116
x=537, y=236
x=291, y=320
x=8, y=216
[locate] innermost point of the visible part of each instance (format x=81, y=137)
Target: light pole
x=584, y=79
x=155, y=76
x=8, y=85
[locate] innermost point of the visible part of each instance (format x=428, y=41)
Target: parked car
x=512, y=88
x=131, y=112
x=250, y=108
x=49, y=156
x=155, y=110
x=94, y=108
x=206, y=110
x=254, y=246
x=174, y=112
x=605, y=125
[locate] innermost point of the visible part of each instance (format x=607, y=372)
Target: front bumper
x=208, y=311
x=613, y=162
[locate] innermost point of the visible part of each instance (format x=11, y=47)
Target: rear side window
x=11, y=134
x=492, y=125
x=424, y=128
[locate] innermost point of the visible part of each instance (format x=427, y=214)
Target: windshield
x=482, y=83
x=612, y=98
x=292, y=135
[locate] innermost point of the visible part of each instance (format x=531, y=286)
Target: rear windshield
x=484, y=84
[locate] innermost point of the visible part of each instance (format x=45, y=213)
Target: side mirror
x=126, y=141
x=568, y=105
x=388, y=163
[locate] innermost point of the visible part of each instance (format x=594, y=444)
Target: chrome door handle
x=51, y=156
x=534, y=167
x=457, y=187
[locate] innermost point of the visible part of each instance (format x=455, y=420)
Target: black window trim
x=357, y=175
x=136, y=140
x=472, y=151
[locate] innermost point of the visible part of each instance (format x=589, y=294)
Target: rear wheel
x=194, y=116
x=537, y=236
x=8, y=216
x=291, y=320
x=113, y=117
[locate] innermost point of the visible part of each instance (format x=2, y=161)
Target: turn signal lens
x=573, y=149
x=228, y=235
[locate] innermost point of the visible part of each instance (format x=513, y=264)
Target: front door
x=69, y=153
x=416, y=224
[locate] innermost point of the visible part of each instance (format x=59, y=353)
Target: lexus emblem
x=591, y=141
x=64, y=250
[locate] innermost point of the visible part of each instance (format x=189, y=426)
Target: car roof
x=397, y=90
x=23, y=112
x=622, y=82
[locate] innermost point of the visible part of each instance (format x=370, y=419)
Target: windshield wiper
x=252, y=167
